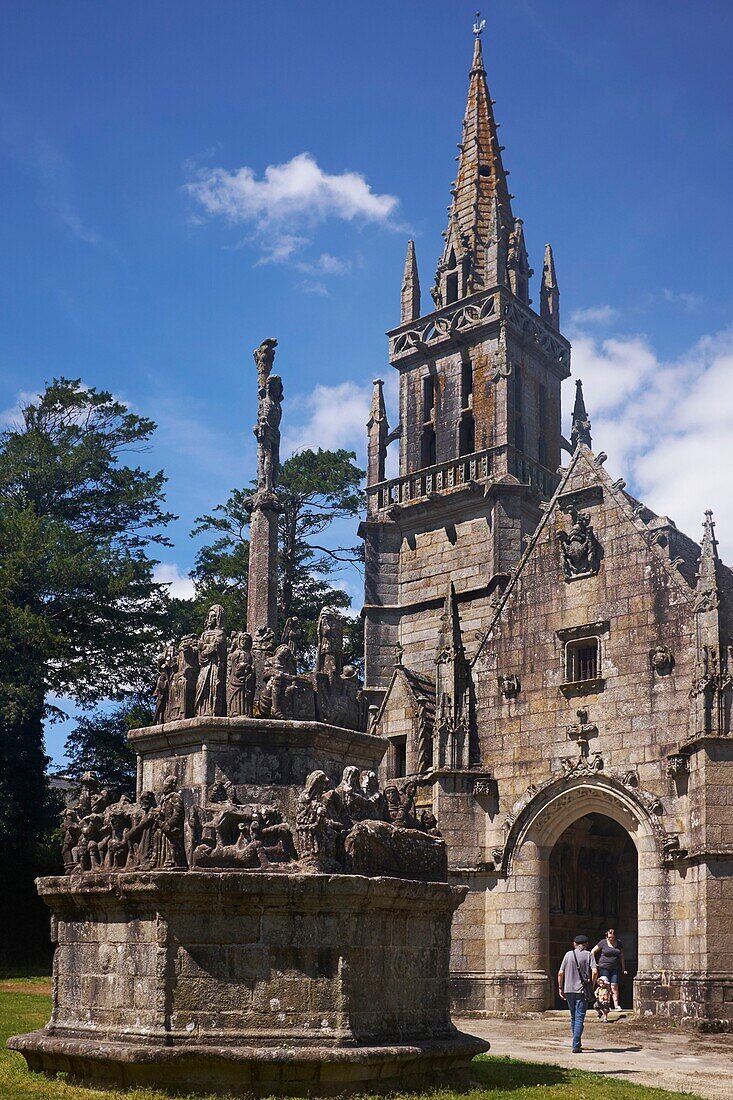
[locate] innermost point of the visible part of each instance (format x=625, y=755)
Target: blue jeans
x=577, y=1005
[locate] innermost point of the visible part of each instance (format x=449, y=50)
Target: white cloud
x=181, y=587
x=290, y=200
x=665, y=424
x=336, y=417
x=592, y=315
x=12, y=417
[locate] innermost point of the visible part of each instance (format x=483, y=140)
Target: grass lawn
x=25, y=1004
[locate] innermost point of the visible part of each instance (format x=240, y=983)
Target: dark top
x=610, y=954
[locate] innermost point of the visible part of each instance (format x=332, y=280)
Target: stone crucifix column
x=262, y=575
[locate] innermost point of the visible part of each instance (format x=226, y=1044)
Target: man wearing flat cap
x=575, y=983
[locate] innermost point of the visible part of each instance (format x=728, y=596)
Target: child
x=603, y=999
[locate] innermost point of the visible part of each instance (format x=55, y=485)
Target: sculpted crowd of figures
x=242, y=676
x=354, y=828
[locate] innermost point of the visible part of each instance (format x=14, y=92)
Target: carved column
x=262, y=573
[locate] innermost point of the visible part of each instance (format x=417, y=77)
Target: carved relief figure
x=241, y=676
x=661, y=660
x=166, y=665
x=275, y=697
x=264, y=357
x=169, y=852
x=212, y=652
x=316, y=831
x=580, y=549
x=267, y=433
x=140, y=836
x=292, y=636
x=330, y=635
x=182, y=692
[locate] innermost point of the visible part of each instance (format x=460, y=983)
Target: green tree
x=316, y=489
x=98, y=743
x=80, y=613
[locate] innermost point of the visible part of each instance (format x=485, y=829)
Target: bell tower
x=479, y=414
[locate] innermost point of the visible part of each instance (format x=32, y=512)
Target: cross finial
x=479, y=25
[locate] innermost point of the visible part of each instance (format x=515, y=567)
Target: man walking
x=573, y=979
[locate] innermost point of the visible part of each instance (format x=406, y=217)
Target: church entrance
x=594, y=886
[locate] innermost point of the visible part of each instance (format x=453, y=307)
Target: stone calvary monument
x=263, y=918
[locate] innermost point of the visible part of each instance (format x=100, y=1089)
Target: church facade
x=550, y=661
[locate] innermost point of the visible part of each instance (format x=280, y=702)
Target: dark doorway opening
x=594, y=885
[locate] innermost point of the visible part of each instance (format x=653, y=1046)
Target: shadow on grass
x=503, y=1073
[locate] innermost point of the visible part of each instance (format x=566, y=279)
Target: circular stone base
x=254, y=1071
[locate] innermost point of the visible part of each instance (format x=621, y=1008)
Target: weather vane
x=478, y=25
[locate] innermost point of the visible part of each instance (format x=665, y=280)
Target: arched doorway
x=593, y=885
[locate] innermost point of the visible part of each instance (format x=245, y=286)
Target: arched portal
x=594, y=882
x=574, y=805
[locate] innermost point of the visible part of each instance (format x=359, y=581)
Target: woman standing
x=610, y=955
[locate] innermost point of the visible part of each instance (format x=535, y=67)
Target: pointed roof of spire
x=549, y=278
x=450, y=644
x=410, y=286
x=707, y=570
x=480, y=188
x=377, y=412
x=581, y=424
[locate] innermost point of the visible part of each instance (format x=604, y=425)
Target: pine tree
x=80, y=613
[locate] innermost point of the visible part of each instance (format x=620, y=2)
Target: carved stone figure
x=264, y=357
x=509, y=686
x=317, y=833
x=140, y=835
x=264, y=640
x=661, y=660
x=330, y=636
x=378, y=848
x=580, y=549
x=275, y=699
x=212, y=652
x=267, y=432
x=292, y=636
x=241, y=676
x=259, y=847
x=166, y=665
x=182, y=691
x=169, y=852
x=370, y=790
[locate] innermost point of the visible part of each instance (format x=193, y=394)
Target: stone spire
x=549, y=292
x=410, y=287
x=480, y=214
x=377, y=432
x=580, y=432
x=451, y=686
x=712, y=681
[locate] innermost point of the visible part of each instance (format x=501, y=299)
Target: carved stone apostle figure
x=580, y=549
x=212, y=652
x=241, y=676
x=316, y=832
x=267, y=432
x=330, y=636
x=182, y=690
x=140, y=836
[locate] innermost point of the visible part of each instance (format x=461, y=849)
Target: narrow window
x=428, y=397
x=466, y=385
x=399, y=757
x=428, y=447
x=581, y=660
x=467, y=434
x=451, y=288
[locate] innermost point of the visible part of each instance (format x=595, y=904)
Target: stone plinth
x=267, y=759
x=250, y=983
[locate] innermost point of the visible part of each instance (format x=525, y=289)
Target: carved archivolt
x=542, y=811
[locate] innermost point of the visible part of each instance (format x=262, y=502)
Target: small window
x=398, y=754
x=485, y=171
x=581, y=660
x=467, y=435
x=451, y=288
x=428, y=397
x=466, y=385
x=427, y=447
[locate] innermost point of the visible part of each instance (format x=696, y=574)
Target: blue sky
x=180, y=180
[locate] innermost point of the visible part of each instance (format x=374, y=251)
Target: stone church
x=550, y=660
